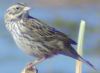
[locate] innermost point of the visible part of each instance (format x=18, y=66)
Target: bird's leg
x=33, y=64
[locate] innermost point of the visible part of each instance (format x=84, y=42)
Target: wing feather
x=48, y=33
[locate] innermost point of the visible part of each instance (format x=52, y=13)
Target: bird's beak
x=27, y=8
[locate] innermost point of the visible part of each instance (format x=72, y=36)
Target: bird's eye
x=17, y=8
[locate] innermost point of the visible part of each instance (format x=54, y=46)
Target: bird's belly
x=29, y=47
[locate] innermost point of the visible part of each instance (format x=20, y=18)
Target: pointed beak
x=27, y=8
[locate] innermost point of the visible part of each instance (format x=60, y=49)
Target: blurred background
x=65, y=15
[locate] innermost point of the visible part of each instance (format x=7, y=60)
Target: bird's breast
x=17, y=30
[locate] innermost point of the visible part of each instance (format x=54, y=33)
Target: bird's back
x=51, y=40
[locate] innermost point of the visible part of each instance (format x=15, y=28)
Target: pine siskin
x=37, y=38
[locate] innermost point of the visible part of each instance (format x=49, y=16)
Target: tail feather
x=72, y=53
x=87, y=62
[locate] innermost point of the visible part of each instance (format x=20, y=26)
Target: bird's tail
x=72, y=53
x=87, y=62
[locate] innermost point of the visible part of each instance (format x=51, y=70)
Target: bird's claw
x=31, y=66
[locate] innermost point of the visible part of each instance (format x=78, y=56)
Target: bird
x=36, y=38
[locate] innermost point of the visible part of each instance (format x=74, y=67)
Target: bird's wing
x=46, y=32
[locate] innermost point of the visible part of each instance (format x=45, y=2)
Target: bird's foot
x=30, y=66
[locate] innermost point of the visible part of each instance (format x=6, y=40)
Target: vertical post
x=80, y=46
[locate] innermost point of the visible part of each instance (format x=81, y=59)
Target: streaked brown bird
x=37, y=38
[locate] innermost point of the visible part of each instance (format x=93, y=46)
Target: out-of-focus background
x=65, y=15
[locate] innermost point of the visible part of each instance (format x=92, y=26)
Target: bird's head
x=17, y=10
